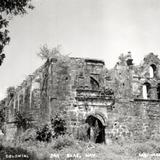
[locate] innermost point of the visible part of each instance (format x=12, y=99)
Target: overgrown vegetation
x=43, y=141
x=59, y=125
x=67, y=145
x=45, y=133
x=2, y=117
x=23, y=121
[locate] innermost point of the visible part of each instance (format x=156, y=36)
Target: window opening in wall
x=158, y=91
x=146, y=90
x=152, y=71
x=94, y=84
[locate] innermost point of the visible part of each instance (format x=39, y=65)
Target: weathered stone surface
x=123, y=102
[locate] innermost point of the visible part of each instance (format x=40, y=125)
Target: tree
x=63, y=64
x=8, y=9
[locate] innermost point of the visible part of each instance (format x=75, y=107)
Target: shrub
x=156, y=137
x=29, y=134
x=63, y=141
x=139, y=148
x=44, y=133
x=59, y=125
x=23, y=120
x=155, y=145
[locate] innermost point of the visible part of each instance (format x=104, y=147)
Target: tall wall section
x=136, y=110
x=126, y=99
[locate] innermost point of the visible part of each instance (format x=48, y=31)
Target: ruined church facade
x=123, y=102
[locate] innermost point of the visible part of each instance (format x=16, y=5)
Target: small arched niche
x=152, y=70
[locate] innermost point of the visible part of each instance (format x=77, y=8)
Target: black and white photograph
x=79, y=80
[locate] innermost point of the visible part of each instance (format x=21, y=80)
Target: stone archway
x=96, y=130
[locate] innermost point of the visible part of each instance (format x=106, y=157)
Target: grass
x=67, y=148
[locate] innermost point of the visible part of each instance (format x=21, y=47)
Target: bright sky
x=100, y=29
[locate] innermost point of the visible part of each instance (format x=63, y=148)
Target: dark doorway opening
x=96, y=131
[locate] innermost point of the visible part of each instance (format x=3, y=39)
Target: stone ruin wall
x=136, y=113
x=126, y=115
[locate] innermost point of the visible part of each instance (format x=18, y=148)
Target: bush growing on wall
x=44, y=134
x=59, y=124
x=23, y=121
x=57, y=128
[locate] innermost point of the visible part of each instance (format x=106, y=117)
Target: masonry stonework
x=123, y=102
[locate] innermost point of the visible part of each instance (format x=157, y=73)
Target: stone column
x=14, y=103
x=30, y=98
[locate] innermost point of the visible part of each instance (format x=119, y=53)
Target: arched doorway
x=96, y=130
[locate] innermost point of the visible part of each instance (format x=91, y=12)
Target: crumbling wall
x=140, y=115
x=83, y=87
